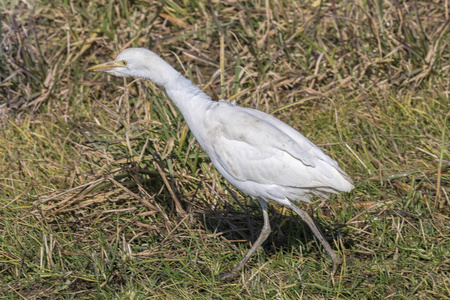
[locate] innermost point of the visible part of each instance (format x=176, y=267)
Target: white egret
x=257, y=153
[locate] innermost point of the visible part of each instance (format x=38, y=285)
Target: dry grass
x=105, y=193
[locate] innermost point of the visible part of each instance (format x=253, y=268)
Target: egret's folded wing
x=250, y=148
x=306, y=144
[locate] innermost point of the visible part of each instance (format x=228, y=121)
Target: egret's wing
x=306, y=144
x=251, y=147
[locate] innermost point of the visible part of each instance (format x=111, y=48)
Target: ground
x=106, y=194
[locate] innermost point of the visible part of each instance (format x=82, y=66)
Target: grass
x=106, y=194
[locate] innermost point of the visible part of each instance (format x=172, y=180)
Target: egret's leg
x=306, y=218
x=262, y=237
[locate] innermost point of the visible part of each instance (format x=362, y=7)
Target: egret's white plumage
x=257, y=153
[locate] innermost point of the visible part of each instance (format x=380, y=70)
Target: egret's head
x=136, y=62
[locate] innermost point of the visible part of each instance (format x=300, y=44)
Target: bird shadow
x=242, y=223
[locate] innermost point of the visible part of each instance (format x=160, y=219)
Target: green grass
x=93, y=166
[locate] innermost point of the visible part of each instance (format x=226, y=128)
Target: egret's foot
x=233, y=273
x=228, y=275
x=336, y=262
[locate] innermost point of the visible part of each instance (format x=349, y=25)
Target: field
x=105, y=194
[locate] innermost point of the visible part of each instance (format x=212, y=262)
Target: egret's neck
x=189, y=99
x=192, y=102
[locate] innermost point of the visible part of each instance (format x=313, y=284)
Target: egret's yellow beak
x=107, y=66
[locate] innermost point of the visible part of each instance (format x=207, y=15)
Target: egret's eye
x=123, y=62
